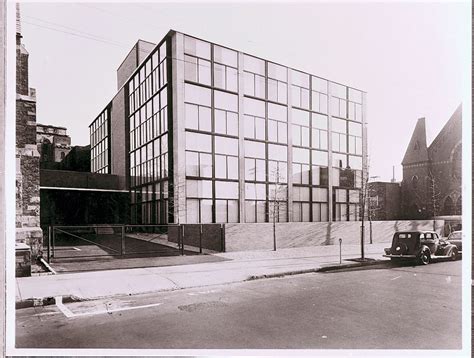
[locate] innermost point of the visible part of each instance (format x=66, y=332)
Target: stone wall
x=244, y=237
x=27, y=176
x=28, y=229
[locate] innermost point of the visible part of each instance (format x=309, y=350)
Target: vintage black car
x=420, y=246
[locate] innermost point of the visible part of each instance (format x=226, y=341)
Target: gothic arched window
x=458, y=207
x=448, y=207
x=456, y=169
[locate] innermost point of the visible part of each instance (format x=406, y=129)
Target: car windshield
x=404, y=235
x=455, y=235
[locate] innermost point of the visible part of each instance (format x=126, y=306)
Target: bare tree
x=427, y=196
x=277, y=198
x=434, y=195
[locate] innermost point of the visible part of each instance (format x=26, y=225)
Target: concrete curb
x=351, y=265
x=282, y=274
x=326, y=268
x=46, y=301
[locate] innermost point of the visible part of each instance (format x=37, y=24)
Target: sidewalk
x=239, y=266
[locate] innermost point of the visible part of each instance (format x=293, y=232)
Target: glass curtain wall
x=148, y=120
x=346, y=134
x=212, y=131
x=271, y=93
x=100, y=141
x=265, y=140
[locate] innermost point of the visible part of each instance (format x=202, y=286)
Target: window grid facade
x=211, y=132
x=347, y=165
x=100, y=142
x=237, y=110
x=148, y=151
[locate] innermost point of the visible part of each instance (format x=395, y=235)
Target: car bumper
x=401, y=256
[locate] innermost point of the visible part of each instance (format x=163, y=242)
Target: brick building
x=384, y=200
x=432, y=174
x=27, y=156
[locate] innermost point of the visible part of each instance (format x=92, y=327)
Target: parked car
x=420, y=246
x=455, y=238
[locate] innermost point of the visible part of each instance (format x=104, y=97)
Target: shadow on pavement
x=384, y=265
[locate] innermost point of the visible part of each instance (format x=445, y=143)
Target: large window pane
x=206, y=211
x=232, y=211
x=250, y=211
x=255, y=65
x=197, y=47
x=232, y=167
x=192, y=211
x=232, y=78
x=225, y=145
x=198, y=142
x=221, y=166
x=277, y=152
x=192, y=164
x=221, y=211
x=226, y=101
x=254, y=107
x=205, y=164
x=197, y=94
x=190, y=68
x=227, y=190
x=198, y=188
x=301, y=155
x=254, y=149
x=225, y=56
x=277, y=72
x=320, y=158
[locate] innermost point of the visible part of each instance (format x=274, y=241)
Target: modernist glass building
x=208, y=134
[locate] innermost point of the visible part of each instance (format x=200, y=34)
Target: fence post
x=54, y=241
x=179, y=236
x=49, y=243
x=122, y=242
x=200, y=238
x=182, y=242
x=222, y=238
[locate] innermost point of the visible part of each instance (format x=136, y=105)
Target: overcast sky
x=409, y=58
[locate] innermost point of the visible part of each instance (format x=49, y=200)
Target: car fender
x=447, y=249
x=422, y=248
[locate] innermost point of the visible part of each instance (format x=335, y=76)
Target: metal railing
x=70, y=242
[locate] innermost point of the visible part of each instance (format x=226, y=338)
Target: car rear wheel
x=453, y=254
x=425, y=257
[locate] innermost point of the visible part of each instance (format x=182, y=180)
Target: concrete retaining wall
x=245, y=237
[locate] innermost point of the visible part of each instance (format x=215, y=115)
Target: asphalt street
x=409, y=307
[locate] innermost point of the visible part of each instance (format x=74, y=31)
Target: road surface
x=388, y=308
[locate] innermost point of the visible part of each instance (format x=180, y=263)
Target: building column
x=289, y=137
x=365, y=161
x=179, y=135
x=330, y=174
x=240, y=72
